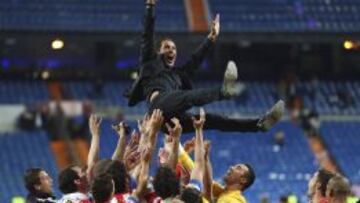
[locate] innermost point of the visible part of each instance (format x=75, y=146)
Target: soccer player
x=39, y=184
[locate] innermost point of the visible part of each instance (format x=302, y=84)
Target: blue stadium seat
x=92, y=15
x=327, y=97
x=25, y=92
x=287, y=16
x=342, y=140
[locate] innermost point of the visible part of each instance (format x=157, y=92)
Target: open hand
x=176, y=130
x=215, y=28
x=199, y=124
x=94, y=125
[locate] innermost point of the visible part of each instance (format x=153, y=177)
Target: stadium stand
x=342, y=139
x=237, y=16
x=326, y=97
x=12, y=92
x=94, y=15
x=287, y=16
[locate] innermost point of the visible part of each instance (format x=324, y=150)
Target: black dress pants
x=176, y=103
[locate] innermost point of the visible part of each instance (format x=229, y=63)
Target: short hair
x=31, y=178
x=102, y=188
x=323, y=178
x=118, y=172
x=166, y=184
x=161, y=40
x=191, y=195
x=66, y=180
x=250, y=177
x=338, y=186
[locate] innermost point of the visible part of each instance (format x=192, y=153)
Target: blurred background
x=61, y=60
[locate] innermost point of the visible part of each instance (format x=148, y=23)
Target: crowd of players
x=124, y=178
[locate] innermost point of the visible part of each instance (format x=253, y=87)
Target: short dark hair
x=166, y=184
x=161, y=40
x=31, y=178
x=102, y=188
x=250, y=177
x=120, y=176
x=118, y=172
x=323, y=178
x=191, y=195
x=66, y=180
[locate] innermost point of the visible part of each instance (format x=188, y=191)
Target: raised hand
x=133, y=144
x=155, y=122
x=142, y=123
x=176, y=130
x=199, y=124
x=132, y=160
x=215, y=28
x=121, y=128
x=94, y=125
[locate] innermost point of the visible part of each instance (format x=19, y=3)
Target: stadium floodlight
x=45, y=75
x=57, y=44
x=348, y=44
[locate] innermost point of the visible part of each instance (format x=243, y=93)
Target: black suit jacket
x=152, y=64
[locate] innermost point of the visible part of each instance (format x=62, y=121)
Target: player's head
x=317, y=185
x=120, y=176
x=103, y=188
x=38, y=181
x=166, y=184
x=191, y=195
x=337, y=190
x=73, y=179
x=168, y=49
x=118, y=172
x=241, y=176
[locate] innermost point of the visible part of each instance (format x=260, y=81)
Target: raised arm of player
x=175, y=133
x=198, y=171
x=208, y=173
x=147, y=49
x=153, y=126
x=93, y=156
x=198, y=56
x=121, y=144
x=215, y=28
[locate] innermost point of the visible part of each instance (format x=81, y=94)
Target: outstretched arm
x=94, y=125
x=208, y=176
x=197, y=172
x=120, y=148
x=153, y=126
x=175, y=133
x=199, y=55
x=147, y=51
